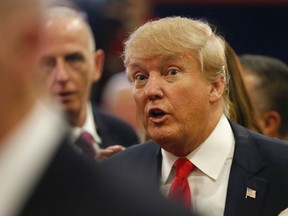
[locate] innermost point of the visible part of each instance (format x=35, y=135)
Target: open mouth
x=156, y=113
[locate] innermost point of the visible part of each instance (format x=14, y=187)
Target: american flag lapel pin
x=250, y=193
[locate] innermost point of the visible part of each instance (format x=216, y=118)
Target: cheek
x=82, y=72
x=190, y=101
x=140, y=105
x=50, y=80
x=139, y=98
x=81, y=79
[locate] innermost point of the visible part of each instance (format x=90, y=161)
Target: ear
x=271, y=123
x=99, y=58
x=216, y=90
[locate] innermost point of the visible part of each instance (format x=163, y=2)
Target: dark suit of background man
x=71, y=65
x=177, y=67
x=40, y=173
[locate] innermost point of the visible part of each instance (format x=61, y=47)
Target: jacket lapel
x=153, y=161
x=245, y=193
x=102, y=130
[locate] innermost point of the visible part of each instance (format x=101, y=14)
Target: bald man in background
x=71, y=65
x=40, y=174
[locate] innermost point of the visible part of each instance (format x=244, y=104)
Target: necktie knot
x=86, y=143
x=183, y=167
x=87, y=137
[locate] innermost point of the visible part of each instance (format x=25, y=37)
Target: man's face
x=252, y=84
x=173, y=100
x=68, y=63
x=258, y=100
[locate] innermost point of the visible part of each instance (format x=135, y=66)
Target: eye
x=74, y=57
x=48, y=64
x=173, y=71
x=140, y=77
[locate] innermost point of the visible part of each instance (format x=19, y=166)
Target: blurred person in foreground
x=40, y=173
x=71, y=65
x=266, y=81
x=178, y=70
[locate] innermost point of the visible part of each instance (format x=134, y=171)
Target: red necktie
x=180, y=190
x=85, y=142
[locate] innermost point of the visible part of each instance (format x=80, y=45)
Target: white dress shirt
x=89, y=126
x=209, y=180
x=24, y=154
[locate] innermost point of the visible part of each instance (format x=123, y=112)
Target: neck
x=77, y=119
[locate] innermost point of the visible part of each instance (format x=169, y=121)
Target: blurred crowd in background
x=256, y=26
x=250, y=27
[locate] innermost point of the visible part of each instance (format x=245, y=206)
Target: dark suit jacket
x=75, y=186
x=259, y=163
x=114, y=131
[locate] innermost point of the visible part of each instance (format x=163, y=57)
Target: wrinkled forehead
x=164, y=57
x=161, y=55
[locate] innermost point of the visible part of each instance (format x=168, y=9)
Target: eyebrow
x=135, y=65
x=165, y=61
x=74, y=54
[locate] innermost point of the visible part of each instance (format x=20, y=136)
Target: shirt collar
x=210, y=156
x=89, y=126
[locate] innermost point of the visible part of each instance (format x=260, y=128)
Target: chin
x=70, y=109
x=161, y=138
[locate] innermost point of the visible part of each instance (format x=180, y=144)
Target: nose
x=61, y=71
x=153, y=89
